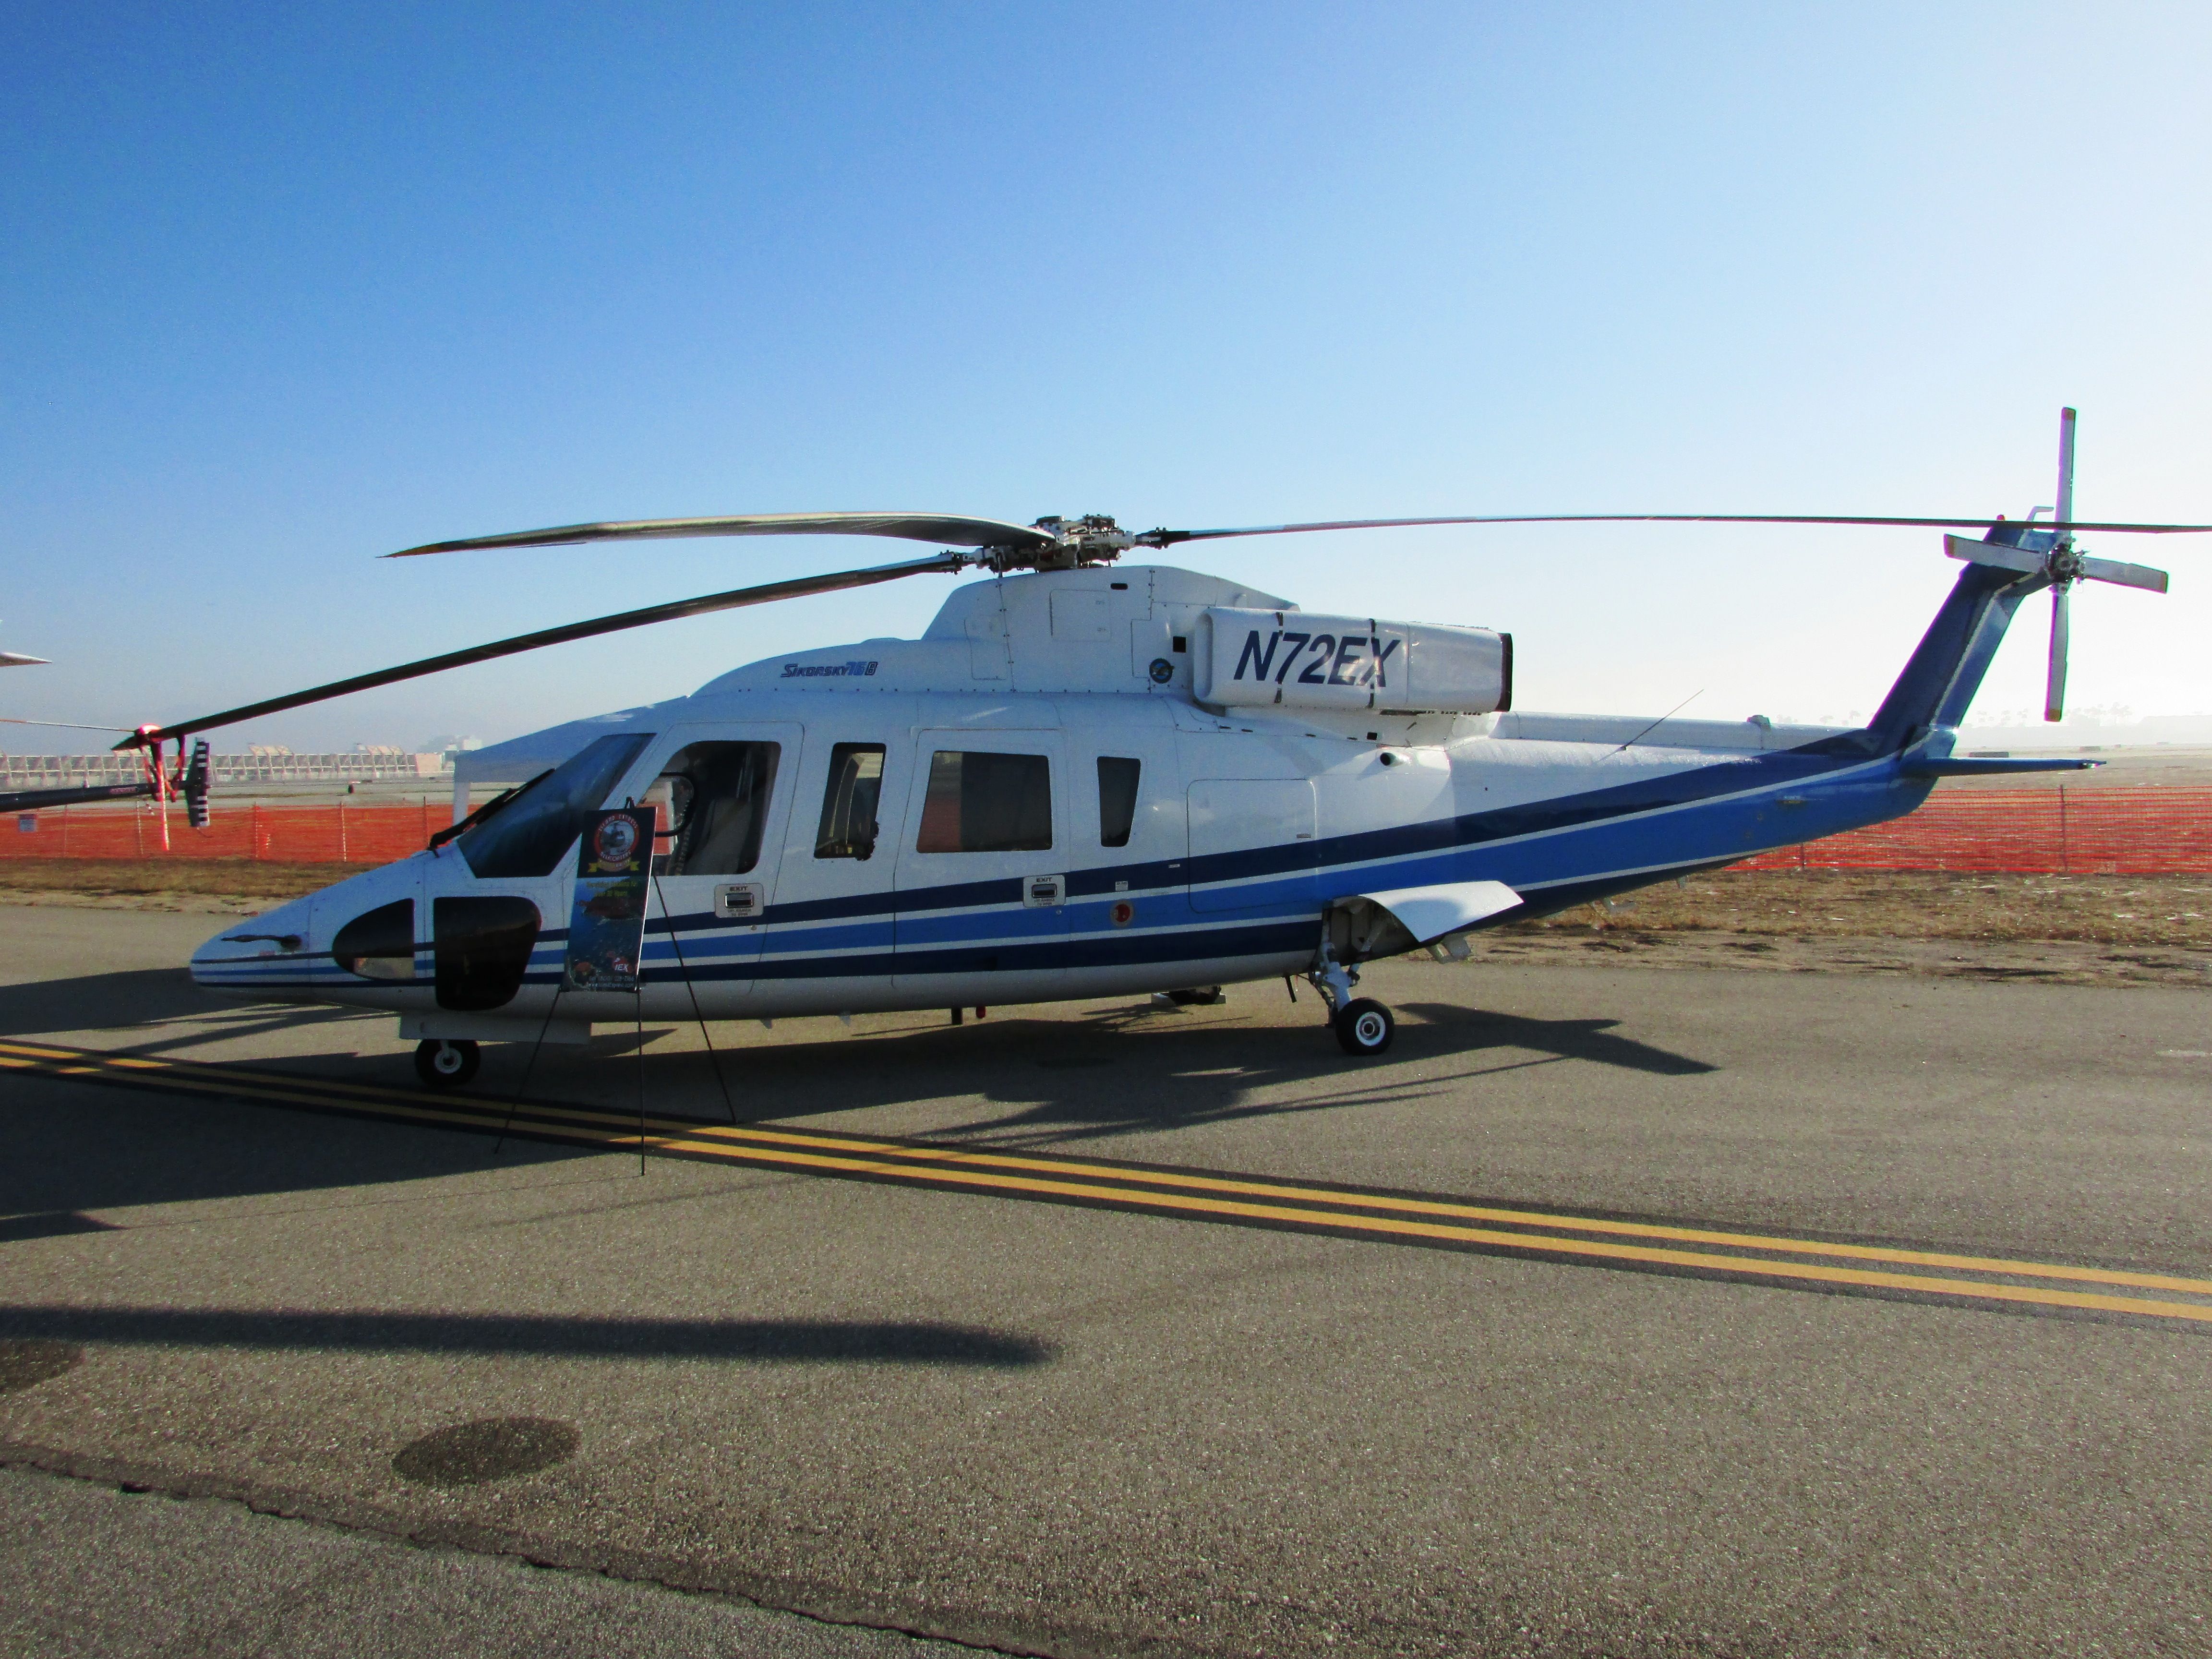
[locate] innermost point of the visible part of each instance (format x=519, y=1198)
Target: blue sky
x=282, y=289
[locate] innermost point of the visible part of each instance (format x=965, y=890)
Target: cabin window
x=849, y=802
x=982, y=802
x=528, y=835
x=717, y=807
x=1117, y=799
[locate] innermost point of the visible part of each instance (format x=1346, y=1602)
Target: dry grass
x=164, y=883
x=2128, y=910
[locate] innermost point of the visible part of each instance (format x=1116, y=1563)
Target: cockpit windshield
x=528, y=836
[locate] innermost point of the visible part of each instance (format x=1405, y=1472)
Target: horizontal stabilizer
x=1990, y=767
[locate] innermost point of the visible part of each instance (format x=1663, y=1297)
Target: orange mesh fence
x=281, y=834
x=2147, y=831
x=2106, y=831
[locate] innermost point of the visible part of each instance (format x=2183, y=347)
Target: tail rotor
x=2051, y=554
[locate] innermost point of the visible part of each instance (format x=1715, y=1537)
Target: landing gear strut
x=443, y=1065
x=1363, y=1025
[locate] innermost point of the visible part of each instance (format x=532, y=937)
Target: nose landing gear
x=443, y=1065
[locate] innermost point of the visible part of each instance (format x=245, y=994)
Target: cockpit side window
x=529, y=836
x=849, y=799
x=718, y=797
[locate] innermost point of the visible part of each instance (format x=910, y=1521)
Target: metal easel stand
x=530, y=1064
x=676, y=943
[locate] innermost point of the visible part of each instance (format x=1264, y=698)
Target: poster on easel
x=606, y=921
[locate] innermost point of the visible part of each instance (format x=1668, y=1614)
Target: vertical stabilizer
x=1946, y=670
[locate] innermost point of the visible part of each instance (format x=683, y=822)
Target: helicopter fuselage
x=1032, y=803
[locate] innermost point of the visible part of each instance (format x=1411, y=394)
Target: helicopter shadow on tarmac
x=1131, y=1071
x=1108, y=1071
x=80, y=1148
x=163, y=1004
x=69, y=1148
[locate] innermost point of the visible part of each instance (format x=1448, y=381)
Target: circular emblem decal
x=1162, y=671
x=614, y=840
x=1124, y=913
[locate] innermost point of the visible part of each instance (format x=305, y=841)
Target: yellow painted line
x=247, y=1087
x=1590, y=1247
x=1484, y=1212
x=1128, y=1188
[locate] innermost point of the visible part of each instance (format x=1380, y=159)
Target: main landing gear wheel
x=443, y=1065
x=1364, y=1027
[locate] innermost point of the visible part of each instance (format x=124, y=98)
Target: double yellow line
x=1248, y=1200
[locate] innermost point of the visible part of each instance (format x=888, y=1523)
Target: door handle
x=1043, y=892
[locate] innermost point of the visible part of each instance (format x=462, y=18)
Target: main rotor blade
x=1964, y=521
x=944, y=528
x=737, y=597
x=2127, y=575
x=32, y=800
x=2054, y=685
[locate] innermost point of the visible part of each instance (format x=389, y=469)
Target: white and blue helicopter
x=1090, y=779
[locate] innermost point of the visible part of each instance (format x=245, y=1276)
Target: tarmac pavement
x=1595, y=1317
x=91, y=1569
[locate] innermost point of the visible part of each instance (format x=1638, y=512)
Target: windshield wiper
x=497, y=802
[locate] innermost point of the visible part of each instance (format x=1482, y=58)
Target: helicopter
x=1085, y=779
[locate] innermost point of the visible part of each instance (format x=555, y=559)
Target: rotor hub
x=1094, y=538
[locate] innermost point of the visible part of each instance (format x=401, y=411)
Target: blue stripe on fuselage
x=1866, y=799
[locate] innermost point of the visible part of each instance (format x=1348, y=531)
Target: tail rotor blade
x=2054, y=693
x=2127, y=575
x=2028, y=562
x=2065, y=466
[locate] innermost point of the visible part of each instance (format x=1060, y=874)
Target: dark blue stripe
x=1753, y=772
x=1109, y=950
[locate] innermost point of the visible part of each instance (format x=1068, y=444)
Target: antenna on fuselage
x=1664, y=717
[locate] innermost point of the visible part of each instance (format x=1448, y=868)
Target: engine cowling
x=1300, y=660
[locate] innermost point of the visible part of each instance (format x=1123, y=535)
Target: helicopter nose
x=264, y=949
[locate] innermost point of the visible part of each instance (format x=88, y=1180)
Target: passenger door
x=983, y=868
x=831, y=920
x=724, y=795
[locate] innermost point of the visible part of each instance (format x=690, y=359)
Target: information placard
x=606, y=921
